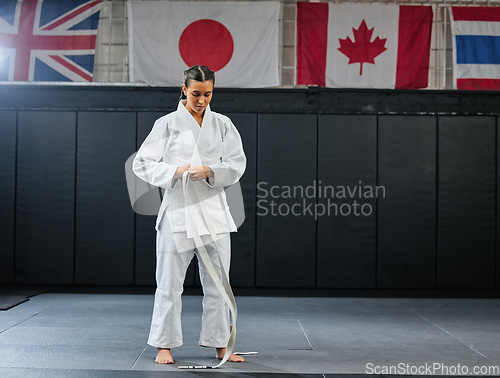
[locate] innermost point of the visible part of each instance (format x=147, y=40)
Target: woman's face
x=199, y=95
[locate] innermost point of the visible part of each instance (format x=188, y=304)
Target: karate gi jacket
x=177, y=139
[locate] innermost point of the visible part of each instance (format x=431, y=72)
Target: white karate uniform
x=177, y=139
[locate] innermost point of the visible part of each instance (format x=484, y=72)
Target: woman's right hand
x=180, y=170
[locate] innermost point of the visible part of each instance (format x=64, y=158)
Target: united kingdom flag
x=48, y=40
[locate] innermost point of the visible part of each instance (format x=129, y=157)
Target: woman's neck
x=197, y=118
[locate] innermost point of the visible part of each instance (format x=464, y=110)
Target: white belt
x=222, y=284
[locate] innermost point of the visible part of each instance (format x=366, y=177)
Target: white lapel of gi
x=199, y=152
x=195, y=223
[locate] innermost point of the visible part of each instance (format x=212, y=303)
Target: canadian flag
x=363, y=45
x=237, y=40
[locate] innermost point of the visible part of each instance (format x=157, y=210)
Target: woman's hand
x=180, y=170
x=200, y=172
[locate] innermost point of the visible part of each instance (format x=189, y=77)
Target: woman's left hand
x=200, y=172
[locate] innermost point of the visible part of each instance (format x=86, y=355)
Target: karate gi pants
x=171, y=266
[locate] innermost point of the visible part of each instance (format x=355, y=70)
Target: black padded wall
x=242, y=272
x=347, y=232
x=145, y=234
x=45, y=197
x=497, y=231
x=104, y=216
x=286, y=242
x=407, y=214
x=7, y=193
x=67, y=219
x=466, y=202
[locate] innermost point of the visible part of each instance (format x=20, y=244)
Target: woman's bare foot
x=164, y=356
x=232, y=358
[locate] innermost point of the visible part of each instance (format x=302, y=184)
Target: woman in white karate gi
x=192, y=146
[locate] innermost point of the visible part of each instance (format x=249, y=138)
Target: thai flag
x=48, y=40
x=476, y=47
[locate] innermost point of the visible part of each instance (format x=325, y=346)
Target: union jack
x=48, y=40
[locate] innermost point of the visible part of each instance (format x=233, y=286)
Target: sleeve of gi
x=147, y=164
x=234, y=161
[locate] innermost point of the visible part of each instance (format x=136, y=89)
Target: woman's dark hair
x=198, y=73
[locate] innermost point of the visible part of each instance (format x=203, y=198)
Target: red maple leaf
x=362, y=51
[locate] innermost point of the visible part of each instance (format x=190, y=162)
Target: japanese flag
x=237, y=40
x=363, y=45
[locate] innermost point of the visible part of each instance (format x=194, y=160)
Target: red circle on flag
x=206, y=42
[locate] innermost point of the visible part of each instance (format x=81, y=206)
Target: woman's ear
x=184, y=89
